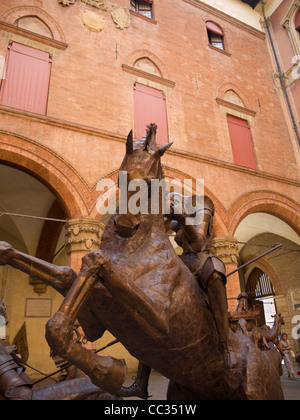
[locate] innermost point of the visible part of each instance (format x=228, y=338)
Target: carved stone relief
x=100, y=4
x=226, y=249
x=93, y=21
x=120, y=16
x=83, y=235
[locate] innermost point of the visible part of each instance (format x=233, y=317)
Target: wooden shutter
x=150, y=107
x=241, y=142
x=27, y=78
x=212, y=27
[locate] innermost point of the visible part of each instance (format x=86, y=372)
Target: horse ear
x=129, y=144
x=2, y=302
x=151, y=137
x=161, y=151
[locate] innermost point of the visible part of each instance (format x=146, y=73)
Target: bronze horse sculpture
x=137, y=288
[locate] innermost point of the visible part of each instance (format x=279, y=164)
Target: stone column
x=82, y=236
x=226, y=249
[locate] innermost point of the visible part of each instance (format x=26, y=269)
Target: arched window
x=34, y=24
x=259, y=285
x=261, y=294
x=215, y=35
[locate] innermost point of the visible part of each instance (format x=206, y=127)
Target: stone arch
x=266, y=267
x=34, y=24
x=133, y=57
x=147, y=65
x=49, y=168
x=269, y=202
x=231, y=96
x=225, y=87
x=12, y=15
x=220, y=228
x=113, y=176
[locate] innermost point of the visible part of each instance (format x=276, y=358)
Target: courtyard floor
x=158, y=385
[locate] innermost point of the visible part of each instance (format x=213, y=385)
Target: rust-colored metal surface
x=169, y=312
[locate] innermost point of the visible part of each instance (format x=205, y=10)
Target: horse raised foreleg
x=138, y=303
x=60, y=278
x=106, y=372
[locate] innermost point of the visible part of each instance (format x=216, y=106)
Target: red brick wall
x=88, y=85
x=91, y=108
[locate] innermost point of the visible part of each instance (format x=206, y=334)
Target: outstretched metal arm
x=60, y=278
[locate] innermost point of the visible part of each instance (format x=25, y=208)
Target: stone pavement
x=291, y=389
x=158, y=385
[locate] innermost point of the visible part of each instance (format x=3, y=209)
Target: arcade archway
x=32, y=221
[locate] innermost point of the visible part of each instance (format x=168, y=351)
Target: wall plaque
x=38, y=308
x=121, y=16
x=99, y=4
x=93, y=21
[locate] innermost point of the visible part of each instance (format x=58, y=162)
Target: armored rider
x=195, y=239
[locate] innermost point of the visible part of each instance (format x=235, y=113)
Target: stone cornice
x=8, y=27
x=223, y=16
x=236, y=107
x=56, y=122
x=149, y=76
x=232, y=167
x=172, y=152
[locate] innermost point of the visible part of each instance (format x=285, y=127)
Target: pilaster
x=82, y=236
x=226, y=249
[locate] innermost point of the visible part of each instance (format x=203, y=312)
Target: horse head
x=140, y=166
x=278, y=319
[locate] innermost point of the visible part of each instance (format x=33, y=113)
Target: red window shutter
x=150, y=107
x=297, y=22
x=213, y=27
x=27, y=78
x=241, y=142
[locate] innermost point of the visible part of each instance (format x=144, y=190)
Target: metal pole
x=255, y=259
x=280, y=74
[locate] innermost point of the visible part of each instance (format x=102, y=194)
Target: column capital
x=225, y=248
x=83, y=235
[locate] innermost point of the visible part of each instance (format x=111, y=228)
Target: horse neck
x=277, y=323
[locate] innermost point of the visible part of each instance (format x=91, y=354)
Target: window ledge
x=149, y=76
x=8, y=27
x=235, y=107
x=219, y=50
x=132, y=12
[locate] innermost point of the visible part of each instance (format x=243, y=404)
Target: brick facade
x=90, y=111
